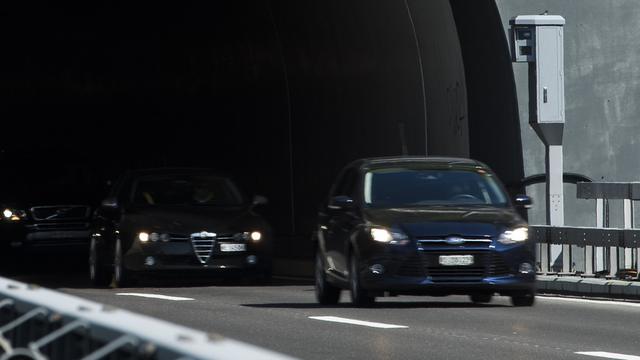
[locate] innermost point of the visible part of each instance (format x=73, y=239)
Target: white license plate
x=233, y=247
x=455, y=260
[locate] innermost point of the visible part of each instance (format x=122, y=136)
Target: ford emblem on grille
x=203, y=245
x=454, y=240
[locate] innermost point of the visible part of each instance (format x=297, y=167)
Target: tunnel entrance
x=280, y=94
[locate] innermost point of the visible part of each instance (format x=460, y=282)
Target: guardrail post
x=544, y=258
x=599, y=259
x=628, y=224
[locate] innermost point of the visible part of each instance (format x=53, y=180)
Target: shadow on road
x=380, y=305
x=70, y=271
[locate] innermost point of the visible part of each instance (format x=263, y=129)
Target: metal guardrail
x=37, y=323
x=600, y=245
x=607, y=251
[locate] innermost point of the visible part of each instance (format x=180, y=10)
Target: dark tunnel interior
x=279, y=94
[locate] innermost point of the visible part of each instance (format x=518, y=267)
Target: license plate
x=455, y=260
x=233, y=247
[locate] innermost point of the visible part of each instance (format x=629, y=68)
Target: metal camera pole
x=538, y=40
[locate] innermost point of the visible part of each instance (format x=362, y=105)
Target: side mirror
x=259, y=200
x=523, y=201
x=340, y=203
x=110, y=204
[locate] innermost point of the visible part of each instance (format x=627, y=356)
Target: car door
x=340, y=223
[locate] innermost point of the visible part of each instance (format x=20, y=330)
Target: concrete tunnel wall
x=281, y=94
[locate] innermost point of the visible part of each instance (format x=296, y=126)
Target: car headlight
x=389, y=236
x=515, y=236
x=13, y=215
x=143, y=236
x=256, y=235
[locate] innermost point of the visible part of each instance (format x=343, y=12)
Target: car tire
x=326, y=293
x=99, y=271
x=121, y=277
x=359, y=296
x=523, y=299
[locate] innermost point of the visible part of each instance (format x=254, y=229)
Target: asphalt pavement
x=284, y=317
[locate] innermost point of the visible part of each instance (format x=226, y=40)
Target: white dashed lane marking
x=608, y=355
x=357, y=322
x=156, y=296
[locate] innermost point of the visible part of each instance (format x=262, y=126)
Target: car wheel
x=523, y=299
x=99, y=272
x=326, y=293
x=120, y=273
x=481, y=298
x=359, y=296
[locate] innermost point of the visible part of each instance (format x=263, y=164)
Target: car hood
x=187, y=220
x=446, y=221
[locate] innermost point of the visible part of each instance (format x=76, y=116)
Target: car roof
x=427, y=160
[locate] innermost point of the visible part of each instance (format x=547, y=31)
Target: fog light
x=377, y=269
x=526, y=268
x=149, y=261
x=252, y=259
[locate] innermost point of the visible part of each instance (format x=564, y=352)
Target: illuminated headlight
x=256, y=236
x=143, y=236
x=515, y=236
x=13, y=215
x=388, y=236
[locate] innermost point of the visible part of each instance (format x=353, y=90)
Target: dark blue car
x=422, y=226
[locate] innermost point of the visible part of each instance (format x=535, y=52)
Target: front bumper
x=180, y=256
x=35, y=237
x=419, y=272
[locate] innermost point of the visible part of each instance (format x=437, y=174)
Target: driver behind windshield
x=188, y=190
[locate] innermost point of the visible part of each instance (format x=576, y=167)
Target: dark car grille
x=427, y=264
x=183, y=238
x=412, y=266
x=204, y=244
x=60, y=212
x=439, y=243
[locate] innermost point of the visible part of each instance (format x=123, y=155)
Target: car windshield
x=186, y=190
x=406, y=187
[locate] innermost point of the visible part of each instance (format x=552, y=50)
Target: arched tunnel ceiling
x=279, y=93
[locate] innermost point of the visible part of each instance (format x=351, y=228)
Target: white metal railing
x=607, y=250
x=38, y=323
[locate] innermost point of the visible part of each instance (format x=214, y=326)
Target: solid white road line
x=357, y=322
x=587, y=301
x=609, y=355
x=156, y=296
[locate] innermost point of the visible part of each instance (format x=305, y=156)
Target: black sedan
x=422, y=226
x=178, y=221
